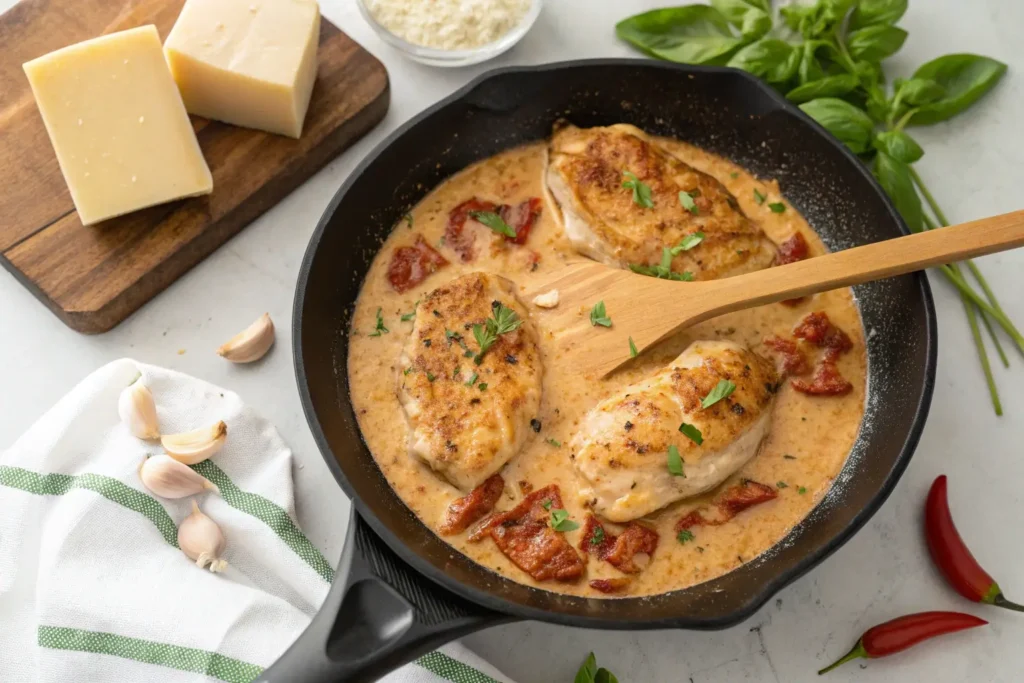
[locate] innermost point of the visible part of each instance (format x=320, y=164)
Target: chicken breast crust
x=620, y=451
x=586, y=170
x=468, y=418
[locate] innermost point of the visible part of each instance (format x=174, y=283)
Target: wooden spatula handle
x=871, y=262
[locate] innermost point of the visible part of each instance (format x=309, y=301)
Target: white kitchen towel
x=93, y=586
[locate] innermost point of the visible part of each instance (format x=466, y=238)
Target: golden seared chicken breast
x=676, y=434
x=470, y=378
x=625, y=199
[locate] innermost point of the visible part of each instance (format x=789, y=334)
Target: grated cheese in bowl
x=456, y=26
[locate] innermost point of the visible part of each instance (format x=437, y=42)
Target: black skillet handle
x=378, y=615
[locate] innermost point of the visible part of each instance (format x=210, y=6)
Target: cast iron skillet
x=401, y=591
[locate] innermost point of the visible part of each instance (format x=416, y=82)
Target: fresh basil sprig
x=590, y=673
x=827, y=57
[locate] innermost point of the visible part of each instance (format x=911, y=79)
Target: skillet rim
x=490, y=600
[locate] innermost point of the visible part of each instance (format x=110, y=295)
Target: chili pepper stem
x=858, y=652
x=1000, y=601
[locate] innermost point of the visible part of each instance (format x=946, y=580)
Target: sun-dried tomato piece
x=611, y=585
x=792, y=250
x=464, y=511
x=826, y=381
x=455, y=234
x=813, y=328
x=620, y=550
x=521, y=217
x=730, y=503
x=525, y=537
x=411, y=265
x=790, y=358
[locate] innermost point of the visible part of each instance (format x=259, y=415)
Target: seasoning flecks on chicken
x=620, y=450
x=469, y=413
x=586, y=170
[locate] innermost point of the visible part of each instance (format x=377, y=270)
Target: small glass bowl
x=436, y=57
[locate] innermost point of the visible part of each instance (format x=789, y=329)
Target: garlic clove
x=201, y=540
x=250, y=344
x=193, y=447
x=548, y=299
x=168, y=478
x=138, y=410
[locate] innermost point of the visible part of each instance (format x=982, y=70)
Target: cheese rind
x=251, y=63
x=117, y=123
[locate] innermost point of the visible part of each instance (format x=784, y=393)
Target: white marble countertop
x=972, y=165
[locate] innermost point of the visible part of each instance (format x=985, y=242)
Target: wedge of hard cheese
x=247, y=62
x=117, y=123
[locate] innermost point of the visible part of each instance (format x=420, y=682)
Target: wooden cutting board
x=94, y=277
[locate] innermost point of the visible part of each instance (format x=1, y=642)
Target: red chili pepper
x=952, y=556
x=899, y=634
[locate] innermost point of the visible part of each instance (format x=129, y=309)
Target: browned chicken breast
x=625, y=447
x=469, y=412
x=604, y=221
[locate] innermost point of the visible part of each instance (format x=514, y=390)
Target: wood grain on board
x=94, y=277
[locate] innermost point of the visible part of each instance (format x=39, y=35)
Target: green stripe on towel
x=109, y=488
x=271, y=514
x=148, y=651
x=443, y=666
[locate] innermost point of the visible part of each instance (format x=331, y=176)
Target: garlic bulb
x=250, y=344
x=138, y=410
x=168, y=478
x=201, y=540
x=197, y=446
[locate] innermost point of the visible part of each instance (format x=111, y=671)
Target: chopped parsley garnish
x=597, y=538
x=494, y=222
x=684, y=536
x=777, y=207
x=560, y=521
x=546, y=504
x=734, y=175
x=686, y=200
x=688, y=243
x=504, y=320
x=641, y=190
x=430, y=376
x=407, y=370
x=781, y=484
x=759, y=198
x=456, y=373
x=472, y=380
x=692, y=433
x=633, y=353
x=801, y=490
x=407, y=217
x=379, y=329
x=675, y=462
x=599, y=316
x=482, y=386
x=664, y=269
x=406, y=317
x=723, y=389
x=554, y=442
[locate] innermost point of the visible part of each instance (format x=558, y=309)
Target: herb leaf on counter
x=965, y=79
x=641, y=190
x=692, y=34
x=494, y=222
x=632, y=349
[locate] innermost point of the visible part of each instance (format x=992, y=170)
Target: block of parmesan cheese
x=247, y=62
x=117, y=123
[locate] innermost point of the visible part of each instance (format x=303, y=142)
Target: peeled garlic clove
x=548, y=299
x=201, y=540
x=168, y=478
x=250, y=344
x=197, y=446
x=138, y=410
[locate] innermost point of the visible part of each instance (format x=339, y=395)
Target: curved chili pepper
x=899, y=634
x=952, y=556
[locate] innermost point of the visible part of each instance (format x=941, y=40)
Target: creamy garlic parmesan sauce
x=810, y=436
x=449, y=24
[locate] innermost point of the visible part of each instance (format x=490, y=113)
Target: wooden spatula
x=650, y=309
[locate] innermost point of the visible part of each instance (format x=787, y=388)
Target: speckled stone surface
x=972, y=165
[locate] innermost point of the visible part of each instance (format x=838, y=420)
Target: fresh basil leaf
x=692, y=433
x=598, y=315
x=835, y=10
x=686, y=200
x=605, y=676
x=691, y=34
x=675, y=462
x=875, y=43
x=756, y=23
x=777, y=207
x=734, y=11
x=794, y=15
x=918, y=91
x=768, y=58
x=641, y=190
x=871, y=12
x=894, y=177
x=560, y=521
x=688, y=243
x=632, y=349
x=587, y=670
x=494, y=222
x=877, y=106
x=850, y=124
x=810, y=68
x=830, y=86
x=722, y=390
x=899, y=146
x=758, y=197
x=965, y=77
